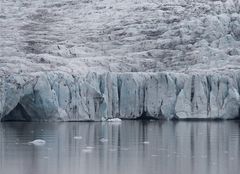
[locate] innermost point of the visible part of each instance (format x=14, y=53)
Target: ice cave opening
x=17, y=114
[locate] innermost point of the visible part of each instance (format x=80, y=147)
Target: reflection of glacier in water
x=172, y=147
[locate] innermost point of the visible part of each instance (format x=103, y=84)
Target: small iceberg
x=90, y=147
x=87, y=150
x=114, y=120
x=77, y=137
x=154, y=155
x=38, y=142
x=146, y=142
x=103, y=140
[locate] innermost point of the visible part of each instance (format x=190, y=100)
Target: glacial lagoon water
x=129, y=147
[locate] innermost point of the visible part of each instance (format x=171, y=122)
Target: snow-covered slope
x=84, y=59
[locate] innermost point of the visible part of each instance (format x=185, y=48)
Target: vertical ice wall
x=61, y=96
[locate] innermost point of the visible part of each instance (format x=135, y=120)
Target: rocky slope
x=93, y=60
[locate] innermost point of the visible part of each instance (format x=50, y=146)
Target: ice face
x=59, y=96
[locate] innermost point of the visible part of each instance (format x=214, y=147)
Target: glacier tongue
x=95, y=96
x=50, y=51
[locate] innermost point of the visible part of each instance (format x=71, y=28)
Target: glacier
x=98, y=97
x=71, y=60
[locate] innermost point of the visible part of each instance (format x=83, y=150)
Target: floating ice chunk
x=103, y=140
x=146, y=142
x=89, y=147
x=87, y=150
x=154, y=155
x=114, y=120
x=77, y=137
x=38, y=142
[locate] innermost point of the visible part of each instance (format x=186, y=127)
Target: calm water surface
x=132, y=147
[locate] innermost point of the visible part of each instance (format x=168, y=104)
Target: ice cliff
x=92, y=60
x=61, y=96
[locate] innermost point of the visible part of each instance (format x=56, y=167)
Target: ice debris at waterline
x=146, y=142
x=77, y=137
x=114, y=120
x=103, y=140
x=37, y=142
x=87, y=150
x=61, y=96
